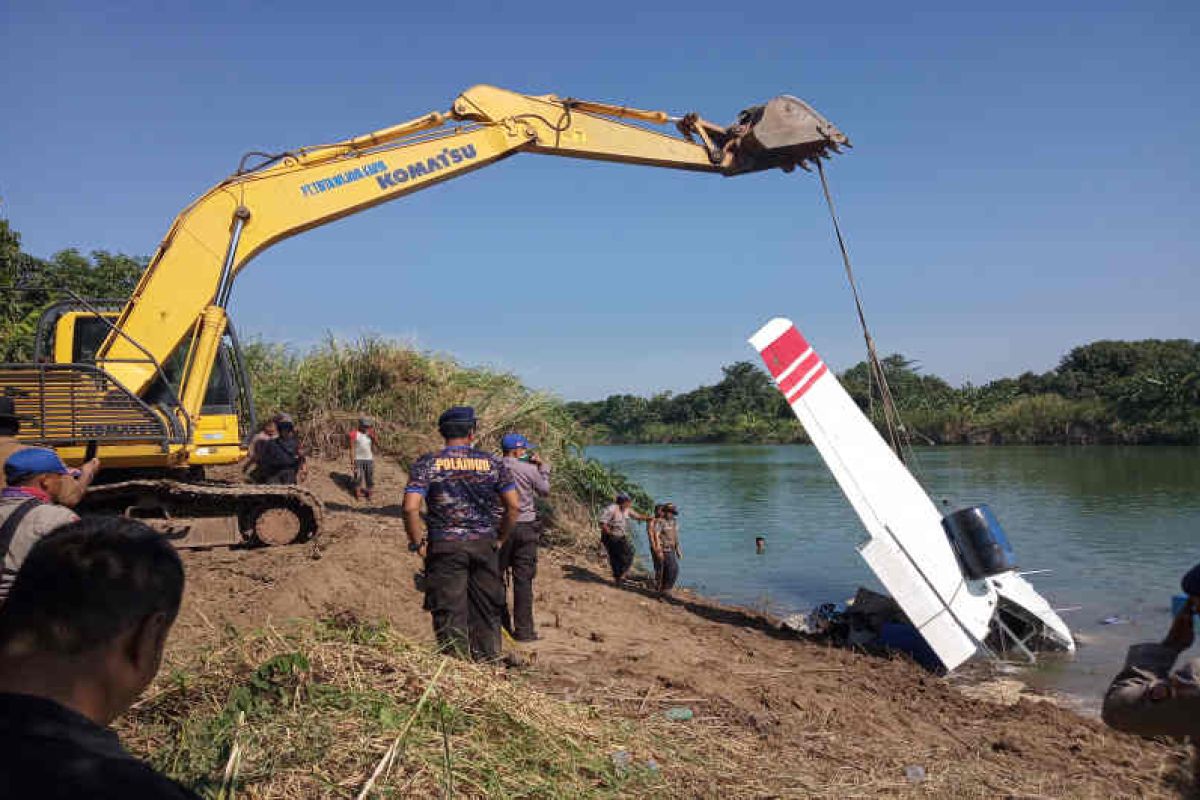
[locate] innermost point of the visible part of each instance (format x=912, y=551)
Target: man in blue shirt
x=471, y=508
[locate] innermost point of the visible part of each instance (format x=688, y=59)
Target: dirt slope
x=810, y=721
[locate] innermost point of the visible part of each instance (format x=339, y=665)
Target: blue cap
x=513, y=441
x=623, y=498
x=24, y=464
x=457, y=414
x=1190, y=582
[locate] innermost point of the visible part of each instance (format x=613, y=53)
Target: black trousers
x=669, y=571
x=519, y=554
x=465, y=595
x=620, y=553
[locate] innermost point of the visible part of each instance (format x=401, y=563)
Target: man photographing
x=1147, y=698
x=36, y=500
x=519, y=553
x=471, y=509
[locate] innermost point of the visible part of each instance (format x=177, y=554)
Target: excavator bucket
x=785, y=133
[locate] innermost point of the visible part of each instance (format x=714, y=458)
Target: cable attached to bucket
x=897, y=435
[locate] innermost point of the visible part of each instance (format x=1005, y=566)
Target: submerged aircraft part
x=909, y=551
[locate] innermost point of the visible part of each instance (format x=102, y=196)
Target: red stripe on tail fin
x=781, y=353
x=810, y=362
x=808, y=384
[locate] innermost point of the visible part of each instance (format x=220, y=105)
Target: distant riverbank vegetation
x=1106, y=392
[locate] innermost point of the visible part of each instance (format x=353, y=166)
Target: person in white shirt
x=362, y=458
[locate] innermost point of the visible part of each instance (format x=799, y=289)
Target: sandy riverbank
x=793, y=718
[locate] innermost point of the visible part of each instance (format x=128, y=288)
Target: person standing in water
x=668, y=549
x=614, y=535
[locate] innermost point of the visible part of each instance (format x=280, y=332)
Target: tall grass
x=313, y=708
x=327, y=388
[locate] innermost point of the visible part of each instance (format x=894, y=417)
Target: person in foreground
x=74, y=485
x=81, y=636
x=1147, y=698
x=472, y=506
x=36, y=500
x=520, y=551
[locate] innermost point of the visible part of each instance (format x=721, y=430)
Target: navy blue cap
x=24, y=464
x=622, y=497
x=1190, y=582
x=457, y=414
x=513, y=441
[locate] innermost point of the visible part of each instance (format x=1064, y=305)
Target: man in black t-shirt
x=81, y=636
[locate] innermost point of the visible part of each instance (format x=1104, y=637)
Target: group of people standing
x=480, y=522
x=662, y=531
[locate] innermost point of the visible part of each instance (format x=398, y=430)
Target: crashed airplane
x=953, y=576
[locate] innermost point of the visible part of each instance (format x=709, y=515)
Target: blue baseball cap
x=24, y=464
x=457, y=414
x=513, y=441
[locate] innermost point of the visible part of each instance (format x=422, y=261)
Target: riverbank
x=772, y=716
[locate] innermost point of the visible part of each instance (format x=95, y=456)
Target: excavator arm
x=183, y=294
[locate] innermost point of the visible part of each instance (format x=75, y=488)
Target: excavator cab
x=70, y=334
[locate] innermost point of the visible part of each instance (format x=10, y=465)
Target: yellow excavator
x=155, y=385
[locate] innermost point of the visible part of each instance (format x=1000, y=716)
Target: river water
x=1117, y=527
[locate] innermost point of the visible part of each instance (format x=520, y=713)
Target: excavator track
x=211, y=514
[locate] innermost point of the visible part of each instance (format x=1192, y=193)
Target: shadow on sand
x=726, y=615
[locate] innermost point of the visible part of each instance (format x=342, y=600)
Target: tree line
x=1136, y=392
x=1124, y=392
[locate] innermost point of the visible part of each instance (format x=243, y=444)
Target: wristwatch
x=415, y=546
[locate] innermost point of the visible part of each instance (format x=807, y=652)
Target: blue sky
x=1024, y=177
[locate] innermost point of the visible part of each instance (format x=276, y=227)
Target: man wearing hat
x=75, y=484
x=471, y=509
x=519, y=553
x=31, y=505
x=1147, y=698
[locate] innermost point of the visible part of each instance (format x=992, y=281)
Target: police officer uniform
x=463, y=588
x=519, y=554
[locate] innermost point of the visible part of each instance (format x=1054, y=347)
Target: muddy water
x=1116, y=527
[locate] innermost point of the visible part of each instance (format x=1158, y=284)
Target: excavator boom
x=191, y=274
x=163, y=394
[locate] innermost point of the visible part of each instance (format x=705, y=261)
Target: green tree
x=29, y=284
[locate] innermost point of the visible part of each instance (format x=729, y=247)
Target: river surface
x=1117, y=527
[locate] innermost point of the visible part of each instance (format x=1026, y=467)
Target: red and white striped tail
x=908, y=550
x=793, y=363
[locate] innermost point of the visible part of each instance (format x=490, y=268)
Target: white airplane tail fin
x=908, y=549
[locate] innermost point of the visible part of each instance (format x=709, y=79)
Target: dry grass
x=404, y=391
x=315, y=709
